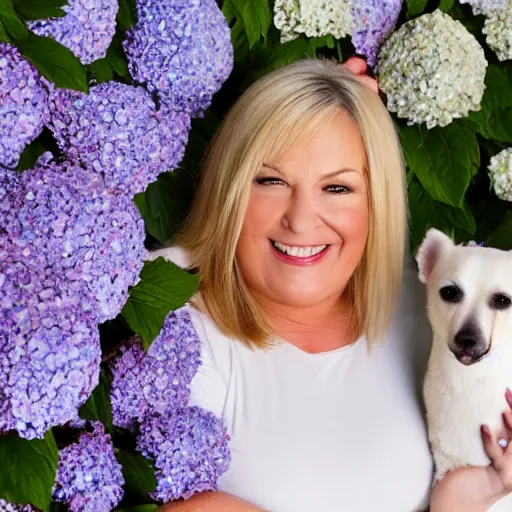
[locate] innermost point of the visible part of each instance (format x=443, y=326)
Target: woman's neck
x=319, y=328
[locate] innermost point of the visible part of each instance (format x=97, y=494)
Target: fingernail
x=508, y=396
x=485, y=431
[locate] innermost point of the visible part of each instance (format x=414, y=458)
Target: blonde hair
x=273, y=113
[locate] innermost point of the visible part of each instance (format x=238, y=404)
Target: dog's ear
x=433, y=245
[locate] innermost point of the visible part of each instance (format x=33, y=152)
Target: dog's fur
x=470, y=365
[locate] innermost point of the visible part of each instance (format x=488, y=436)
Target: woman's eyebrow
x=339, y=171
x=274, y=168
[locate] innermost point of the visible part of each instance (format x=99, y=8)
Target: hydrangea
x=182, y=50
x=157, y=380
x=12, y=507
x=49, y=351
x=93, y=238
x=485, y=6
x=87, y=28
x=498, y=31
x=314, y=18
x=432, y=70
x=373, y=22
x=116, y=131
x=23, y=104
x=10, y=200
x=89, y=478
x=190, y=449
x=500, y=172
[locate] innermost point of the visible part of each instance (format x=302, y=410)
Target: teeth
x=300, y=252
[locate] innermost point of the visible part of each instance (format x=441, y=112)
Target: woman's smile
x=299, y=254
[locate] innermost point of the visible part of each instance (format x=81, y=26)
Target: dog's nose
x=469, y=344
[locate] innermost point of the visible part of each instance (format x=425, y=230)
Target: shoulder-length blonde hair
x=266, y=120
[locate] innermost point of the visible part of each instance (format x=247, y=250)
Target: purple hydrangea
x=116, y=131
x=157, y=380
x=10, y=200
x=182, y=50
x=23, y=104
x=12, y=507
x=190, y=450
x=91, y=237
x=89, y=478
x=87, y=28
x=49, y=350
x=373, y=22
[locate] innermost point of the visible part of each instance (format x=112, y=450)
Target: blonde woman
x=313, y=341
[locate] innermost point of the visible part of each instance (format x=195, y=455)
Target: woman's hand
x=476, y=489
x=359, y=67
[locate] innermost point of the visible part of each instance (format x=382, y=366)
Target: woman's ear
x=430, y=251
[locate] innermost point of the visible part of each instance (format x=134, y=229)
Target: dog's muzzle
x=469, y=345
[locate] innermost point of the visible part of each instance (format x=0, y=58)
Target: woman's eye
x=269, y=181
x=337, y=189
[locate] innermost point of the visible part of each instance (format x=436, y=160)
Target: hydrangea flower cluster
x=498, y=31
x=314, y=18
x=91, y=237
x=89, y=478
x=49, y=350
x=485, y=6
x=432, y=70
x=157, y=380
x=190, y=449
x=500, y=172
x=182, y=50
x=11, y=507
x=23, y=104
x=87, y=28
x=116, y=131
x=373, y=22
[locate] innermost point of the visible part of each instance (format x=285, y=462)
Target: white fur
x=459, y=398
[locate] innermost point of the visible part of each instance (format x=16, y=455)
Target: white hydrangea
x=313, y=18
x=500, y=172
x=432, y=70
x=485, y=6
x=498, y=31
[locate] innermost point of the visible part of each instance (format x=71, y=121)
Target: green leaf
x=501, y=238
x=163, y=287
x=127, y=14
x=446, y=5
x=28, y=469
x=55, y=62
x=256, y=18
x=415, y=7
x=494, y=118
x=264, y=58
x=101, y=70
x=139, y=475
x=39, y=9
x=13, y=27
x=116, y=56
x=139, y=508
x=444, y=159
x=30, y=154
x=98, y=405
x=426, y=213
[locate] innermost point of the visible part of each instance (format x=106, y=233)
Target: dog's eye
x=500, y=301
x=451, y=293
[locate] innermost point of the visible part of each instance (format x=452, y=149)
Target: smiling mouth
x=299, y=251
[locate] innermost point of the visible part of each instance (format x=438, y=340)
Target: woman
x=299, y=231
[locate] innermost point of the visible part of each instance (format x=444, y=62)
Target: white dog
x=469, y=291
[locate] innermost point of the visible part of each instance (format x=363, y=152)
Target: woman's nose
x=301, y=214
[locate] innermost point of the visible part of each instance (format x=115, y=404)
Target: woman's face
x=306, y=225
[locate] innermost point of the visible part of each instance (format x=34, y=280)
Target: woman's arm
x=210, y=502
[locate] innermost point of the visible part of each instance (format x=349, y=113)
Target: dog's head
x=469, y=293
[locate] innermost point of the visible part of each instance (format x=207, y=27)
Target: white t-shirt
x=340, y=431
